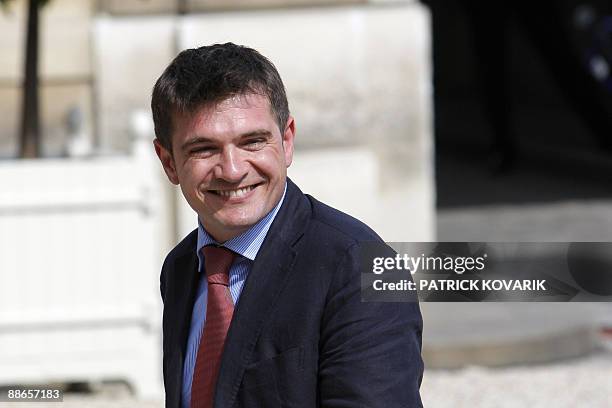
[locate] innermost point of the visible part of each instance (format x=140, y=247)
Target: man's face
x=231, y=161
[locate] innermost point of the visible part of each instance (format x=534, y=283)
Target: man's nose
x=231, y=167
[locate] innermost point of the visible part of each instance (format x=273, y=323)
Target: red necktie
x=219, y=311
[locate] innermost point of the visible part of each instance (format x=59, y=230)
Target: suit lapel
x=267, y=278
x=181, y=299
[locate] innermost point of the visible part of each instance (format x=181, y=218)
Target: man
x=262, y=302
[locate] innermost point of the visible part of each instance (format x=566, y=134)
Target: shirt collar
x=246, y=244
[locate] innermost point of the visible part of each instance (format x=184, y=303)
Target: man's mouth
x=237, y=192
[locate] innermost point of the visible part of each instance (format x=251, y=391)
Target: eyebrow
x=201, y=139
x=258, y=132
x=195, y=140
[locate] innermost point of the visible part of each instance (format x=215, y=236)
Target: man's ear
x=288, y=137
x=167, y=161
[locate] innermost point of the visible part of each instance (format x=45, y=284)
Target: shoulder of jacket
x=340, y=223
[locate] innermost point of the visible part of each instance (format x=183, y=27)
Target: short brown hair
x=211, y=74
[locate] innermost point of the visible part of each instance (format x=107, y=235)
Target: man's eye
x=202, y=149
x=254, y=143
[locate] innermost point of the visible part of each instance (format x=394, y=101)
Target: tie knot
x=217, y=263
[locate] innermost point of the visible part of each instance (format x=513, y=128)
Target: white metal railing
x=80, y=254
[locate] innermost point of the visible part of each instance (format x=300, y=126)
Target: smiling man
x=262, y=304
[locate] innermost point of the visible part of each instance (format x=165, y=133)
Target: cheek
x=194, y=173
x=270, y=162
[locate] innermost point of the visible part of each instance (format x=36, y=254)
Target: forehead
x=235, y=113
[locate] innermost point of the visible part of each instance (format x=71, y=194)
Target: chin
x=233, y=223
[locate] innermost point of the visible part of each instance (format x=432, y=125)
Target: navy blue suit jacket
x=300, y=335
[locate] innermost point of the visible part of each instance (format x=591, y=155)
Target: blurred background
x=430, y=120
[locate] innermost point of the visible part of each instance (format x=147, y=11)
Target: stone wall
x=124, y=7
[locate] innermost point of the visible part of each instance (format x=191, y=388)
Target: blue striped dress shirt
x=246, y=247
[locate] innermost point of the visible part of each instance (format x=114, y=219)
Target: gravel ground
x=584, y=382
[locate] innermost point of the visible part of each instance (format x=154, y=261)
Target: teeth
x=235, y=193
